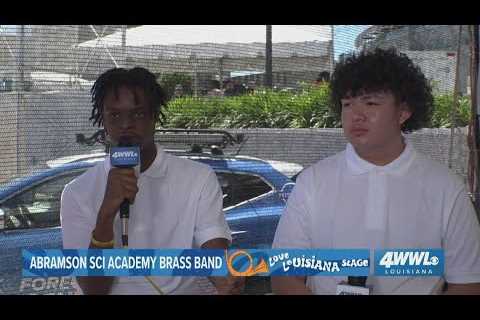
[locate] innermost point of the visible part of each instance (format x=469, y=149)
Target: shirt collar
x=399, y=166
x=157, y=169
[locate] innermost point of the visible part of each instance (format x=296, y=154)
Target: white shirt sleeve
x=293, y=227
x=210, y=220
x=76, y=228
x=462, y=242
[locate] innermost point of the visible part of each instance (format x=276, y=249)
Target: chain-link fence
x=266, y=83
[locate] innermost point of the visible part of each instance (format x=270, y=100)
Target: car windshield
x=38, y=206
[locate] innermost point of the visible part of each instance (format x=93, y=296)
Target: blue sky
x=344, y=37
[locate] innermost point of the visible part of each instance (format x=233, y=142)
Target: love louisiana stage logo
x=194, y=262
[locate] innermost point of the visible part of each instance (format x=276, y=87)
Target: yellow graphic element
x=262, y=266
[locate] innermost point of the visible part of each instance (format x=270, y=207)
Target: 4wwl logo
x=124, y=154
x=409, y=262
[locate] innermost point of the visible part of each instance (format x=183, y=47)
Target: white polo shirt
x=178, y=205
x=413, y=202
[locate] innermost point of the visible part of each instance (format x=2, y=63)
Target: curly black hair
x=384, y=70
x=136, y=77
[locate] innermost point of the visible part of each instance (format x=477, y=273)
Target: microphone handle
x=124, y=215
x=125, y=209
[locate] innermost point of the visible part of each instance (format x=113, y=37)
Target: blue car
x=254, y=195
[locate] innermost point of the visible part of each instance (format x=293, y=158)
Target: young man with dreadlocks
x=379, y=192
x=176, y=203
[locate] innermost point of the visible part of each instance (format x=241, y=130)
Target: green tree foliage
x=169, y=81
x=265, y=108
x=442, y=114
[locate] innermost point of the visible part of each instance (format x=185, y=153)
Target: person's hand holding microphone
x=120, y=192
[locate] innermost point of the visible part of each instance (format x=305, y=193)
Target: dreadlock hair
x=383, y=70
x=136, y=77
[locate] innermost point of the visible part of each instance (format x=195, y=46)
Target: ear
x=156, y=117
x=105, y=130
x=404, y=114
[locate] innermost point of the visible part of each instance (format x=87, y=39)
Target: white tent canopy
x=57, y=77
x=195, y=34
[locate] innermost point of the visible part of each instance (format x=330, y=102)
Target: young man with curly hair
x=380, y=192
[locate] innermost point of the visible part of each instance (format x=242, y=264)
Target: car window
x=239, y=187
x=38, y=207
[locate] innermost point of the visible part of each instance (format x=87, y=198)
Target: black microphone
x=354, y=286
x=357, y=281
x=125, y=155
